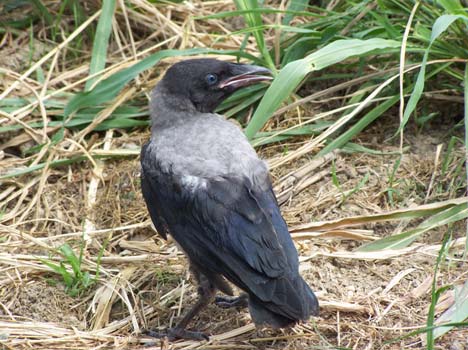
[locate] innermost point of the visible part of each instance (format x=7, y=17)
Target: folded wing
x=232, y=226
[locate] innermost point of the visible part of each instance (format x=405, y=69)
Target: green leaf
x=101, y=41
x=440, y=26
x=452, y=6
x=359, y=126
x=294, y=6
x=455, y=213
x=72, y=259
x=60, y=269
x=294, y=72
x=255, y=24
x=458, y=312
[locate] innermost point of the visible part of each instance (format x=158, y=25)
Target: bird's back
x=206, y=145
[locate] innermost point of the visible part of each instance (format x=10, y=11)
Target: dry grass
x=366, y=298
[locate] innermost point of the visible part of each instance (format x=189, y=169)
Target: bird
x=204, y=184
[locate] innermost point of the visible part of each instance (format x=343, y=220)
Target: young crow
x=204, y=184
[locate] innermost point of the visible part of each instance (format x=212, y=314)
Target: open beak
x=245, y=75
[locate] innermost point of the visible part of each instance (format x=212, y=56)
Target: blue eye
x=211, y=79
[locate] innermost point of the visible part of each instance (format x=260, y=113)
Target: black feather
x=234, y=229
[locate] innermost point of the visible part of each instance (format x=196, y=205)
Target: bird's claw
x=226, y=302
x=178, y=333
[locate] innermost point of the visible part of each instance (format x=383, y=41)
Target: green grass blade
x=268, y=137
x=239, y=96
x=440, y=26
x=341, y=50
x=61, y=270
x=452, y=6
x=458, y=312
x=86, y=281
x=293, y=74
x=424, y=330
x=385, y=23
x=50, y=264
x=285, y=83
x=259, y=10
x=40, y=166
x=293, y=7
x=435, y=294
x=72, y=259
x=43, y=11
x=67, y=277
x=284, y=28
x=456, y=213
x=359, y=126
x=62, y=162
x=254, y=20
x=356, y=148
x=98, y=260
x=101, y=41
x=123, y=123
x=248, y=101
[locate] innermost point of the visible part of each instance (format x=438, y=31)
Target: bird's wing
x=238, y=217
x=228, y=225
x=226, y=216
x=151, y=199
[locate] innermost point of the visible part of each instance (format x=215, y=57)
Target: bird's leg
x=225, y=302
x=206, y=292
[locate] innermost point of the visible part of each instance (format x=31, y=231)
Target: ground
x=368, y=300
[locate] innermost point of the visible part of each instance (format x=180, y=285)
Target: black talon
x=177, y=333
x=227, y=302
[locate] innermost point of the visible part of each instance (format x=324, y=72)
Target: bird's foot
x=178, y=333
x=226, y=302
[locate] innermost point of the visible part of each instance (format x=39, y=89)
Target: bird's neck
x=168, y=109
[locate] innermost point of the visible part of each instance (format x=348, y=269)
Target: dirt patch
x=38, y=301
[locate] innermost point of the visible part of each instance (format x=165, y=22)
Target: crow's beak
x=245, y=75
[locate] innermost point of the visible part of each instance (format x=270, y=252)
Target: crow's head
x=207, y=82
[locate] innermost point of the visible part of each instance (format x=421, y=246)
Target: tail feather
x=293, y=301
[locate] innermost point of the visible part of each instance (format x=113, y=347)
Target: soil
x=390, y=306
x=143, y=282
x=37, y=300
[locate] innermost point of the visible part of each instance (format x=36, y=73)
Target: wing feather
x=230, y=226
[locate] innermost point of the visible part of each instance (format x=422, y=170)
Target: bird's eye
x=211, y=79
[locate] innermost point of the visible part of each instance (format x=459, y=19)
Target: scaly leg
x=206, y=292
